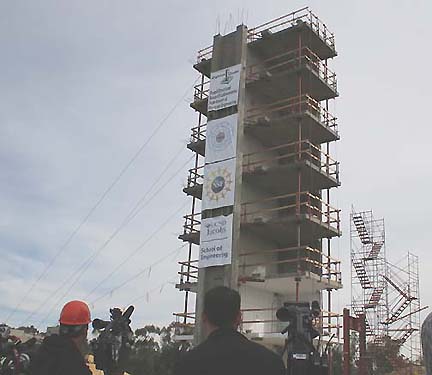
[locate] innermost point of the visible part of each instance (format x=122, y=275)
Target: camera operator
x=112, y=347
x=225, y=350
x=4, y=336
x=63, y=354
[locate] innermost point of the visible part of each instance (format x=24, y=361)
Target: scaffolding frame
x=289, y=20
x=368, y=268
x=291, y=106
x=404, y=319
x=249, y=321
x=387, y=294
x=305, y=203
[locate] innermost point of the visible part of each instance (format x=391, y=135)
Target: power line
x=139, y=274
x=147, y=294
x=133, y=253
x=133, y=213
x=127, y=259
x=97, y=204
x=129, y=217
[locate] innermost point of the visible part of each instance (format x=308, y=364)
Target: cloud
x=84, y=84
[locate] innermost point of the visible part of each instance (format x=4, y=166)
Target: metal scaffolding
x=289, y=86
x=386, y=293
x=368, y=269
x=404, y=321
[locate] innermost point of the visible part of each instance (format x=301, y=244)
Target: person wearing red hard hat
x=63, y=354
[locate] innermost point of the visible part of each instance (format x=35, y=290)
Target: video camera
x=112, y=347
x=302, y=356
x=14, y=354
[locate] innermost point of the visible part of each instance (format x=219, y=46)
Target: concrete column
x=228, y=50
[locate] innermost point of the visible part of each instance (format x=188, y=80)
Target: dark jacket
x=227, y=352
x=58, y=355
x=426, y=339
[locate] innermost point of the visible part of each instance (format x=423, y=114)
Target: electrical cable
x=133, y=253
x=139, y=274
x=129, y=217
x=147, y=294
x=97, y=204
x=170, y=217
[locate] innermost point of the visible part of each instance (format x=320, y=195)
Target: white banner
x=219, y=182
x=224, y=88
x=221, y=139
x=215, y=241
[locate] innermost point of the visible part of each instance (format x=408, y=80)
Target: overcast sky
x=83, y=84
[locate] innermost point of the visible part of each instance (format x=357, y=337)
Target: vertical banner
x=221, y=139
x=219, y=183
x=224, y=88
x=216, y=241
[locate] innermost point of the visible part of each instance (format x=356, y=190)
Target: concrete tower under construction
x=261, y=217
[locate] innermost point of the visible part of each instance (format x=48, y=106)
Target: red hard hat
x=75, y=313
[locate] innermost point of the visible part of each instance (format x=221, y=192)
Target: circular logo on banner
x=220, y=137
x=218, y=184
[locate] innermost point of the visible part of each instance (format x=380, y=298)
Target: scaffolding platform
x=283, y=215
x=278, y=35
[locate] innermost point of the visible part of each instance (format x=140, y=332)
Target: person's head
x=221, y=309
x=4, y=331
x=74, y=321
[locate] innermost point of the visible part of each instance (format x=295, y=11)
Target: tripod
x=302, y=356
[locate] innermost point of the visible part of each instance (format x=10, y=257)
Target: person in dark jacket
x=63, y=354
x=426, y=339
x=226, y=351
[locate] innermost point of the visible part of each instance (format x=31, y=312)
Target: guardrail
x=192, y=224
x=195, y=177
x=281, y=23
x=301, y=203
x=292, y=152
x=255, y=318
x=201, y=90
x=198, y=133
x=294, y=105
x=290, y=60
x=304, y=259
x=286, y=153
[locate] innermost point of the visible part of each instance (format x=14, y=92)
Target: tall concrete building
x=262, y=220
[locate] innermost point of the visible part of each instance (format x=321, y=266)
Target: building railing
x=281, y=23
x=282, y=154
x=201, y=90
x=263, y=321
x=205, y=54
x=251, y=323
x=195, y=176
x=305, y=259
x=299, y=260
x=188, y=270
x=198, y=133
x=291, y=60
x=192, y=223
x=294, y=204
x=292, y=19
x=286, y=61
x=291, y=106
x=292, y=152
